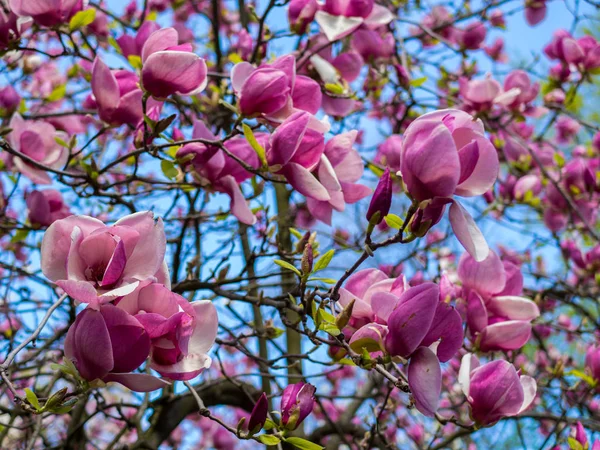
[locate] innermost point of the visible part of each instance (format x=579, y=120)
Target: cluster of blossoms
x=105, y=102
x=120, y=273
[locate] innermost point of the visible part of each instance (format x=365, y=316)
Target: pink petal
x=509, y=335
x=239, y=205
x=467, y=232
x=138, y=382
x=487, y=276
x=158, y=41
x=513, y=307
x=425, y=380
x=304, y=182
x=104, y=86
x=172, y=72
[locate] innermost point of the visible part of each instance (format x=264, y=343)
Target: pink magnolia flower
x=471, y=36
x=495, y=390
x=592, y=361
x=403, y=321
x=36, y=140
x=133, y=45
x=528, y=91
x=446, y=153
x=181, y=333
x=339, y=18
x=382, y=198
x=275, y=92
x=373, y=45
x=9, y=98
x=389, y=153
x=215, y=169
x=566, y=129
x=535, y=11
x=583, y=52
x=496, y=51
x=294, y=150
x=496, y=312
x=10, y=28
x=297, y=402
x=259, y=413
x=339, y=169
x=94, y=263
x=482, y=95
x=48, y=13
x=46, y=207
x=435, y=20
x=169, y=68
x=108, y=344
x=339, y=70
x=301, y=13
x=117, y=95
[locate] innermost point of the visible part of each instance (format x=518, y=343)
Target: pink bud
x=382, y=198
x=297, y=403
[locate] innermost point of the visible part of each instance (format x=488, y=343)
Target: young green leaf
x=287, y=265
x=32, y=398
x=82, y=19
x=169, y=169
x=303, y=444
x=323, y=261
x=269, y=439
x=260, y=151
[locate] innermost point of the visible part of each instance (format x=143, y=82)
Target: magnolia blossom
x=133, y=45
x=339, y=18
x=10, y=28
x=94, y=263
x=496, y=313
x=48, y=13
x=445, y=153
x=216, y=170
x=410, y=322
x=169, y=68
x=340, y=71
x=339, y=169
x=592, y=361
x=482, y=95
x=301, y=13
x=108, y=344
x=181, y=332
x=297, y=402
x=116, y=94
x=294, y=150
x=583, y=52
x=46, y=207
x=36, y=140
x=275, y=92
x=495, y=390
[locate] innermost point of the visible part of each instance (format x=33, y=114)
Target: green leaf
x=235, y=58
x=169, y=169
x=393, y=221
x=582, y=376
x=82, y=19
x=323, y=261
x=269, y=439
x=287, y=265
x=324, y=280
x=334, y=88
x=330, y=328
x=135, y=61
x=19, y=236
x=57, y=93
x=303, y=444
x=260, y=151
x=60, y=142
x=269, y=424
x=296, y=233
x=32, y=398
x=416, y=82
x=574, y=444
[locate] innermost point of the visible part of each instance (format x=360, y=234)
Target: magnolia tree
x=298, y=224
